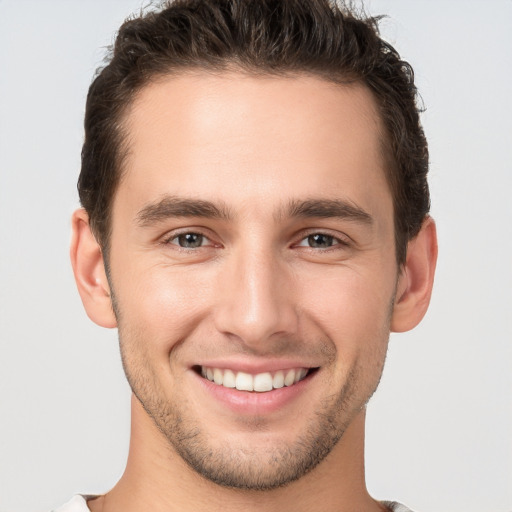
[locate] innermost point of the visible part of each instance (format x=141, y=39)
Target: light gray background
x=440, y=426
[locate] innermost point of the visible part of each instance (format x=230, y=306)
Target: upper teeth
x=260, y=382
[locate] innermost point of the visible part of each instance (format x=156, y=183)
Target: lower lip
x=254, y=403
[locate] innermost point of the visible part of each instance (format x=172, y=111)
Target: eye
x=320, y=241
x=189, y=240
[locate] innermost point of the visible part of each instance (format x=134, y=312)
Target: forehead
x=239, y=137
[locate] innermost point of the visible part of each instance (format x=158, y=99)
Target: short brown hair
x=277, y=37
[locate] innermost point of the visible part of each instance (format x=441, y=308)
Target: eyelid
x=341, y=238
x=168, y=238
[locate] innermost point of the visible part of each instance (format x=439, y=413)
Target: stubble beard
x=246, y=468
x=239, y=467
x=243, y=467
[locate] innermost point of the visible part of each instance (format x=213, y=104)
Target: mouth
x=259, y=383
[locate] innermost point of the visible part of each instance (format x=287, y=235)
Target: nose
x=256, y=302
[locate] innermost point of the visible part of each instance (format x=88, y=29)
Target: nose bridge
x=257, y=300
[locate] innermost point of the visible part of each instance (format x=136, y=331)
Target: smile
x=261, y=382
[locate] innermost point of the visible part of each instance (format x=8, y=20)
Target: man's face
x=252, y=246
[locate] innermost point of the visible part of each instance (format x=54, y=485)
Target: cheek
x=159, y=305
x=353, y=310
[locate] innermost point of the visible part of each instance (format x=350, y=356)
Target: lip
x=253, y=403
x=252, y=367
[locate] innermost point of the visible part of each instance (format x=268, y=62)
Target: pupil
x=320, y=240
x=190, y=240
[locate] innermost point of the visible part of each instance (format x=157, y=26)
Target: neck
x=155, y=475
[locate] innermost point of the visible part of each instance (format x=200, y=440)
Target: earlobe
x=415, y=283
x=89, y=271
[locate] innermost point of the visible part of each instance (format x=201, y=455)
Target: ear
x=416, y=279
x=89, y=270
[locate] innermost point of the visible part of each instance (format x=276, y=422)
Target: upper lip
x=255, y=367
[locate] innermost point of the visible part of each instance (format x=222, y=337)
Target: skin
x=258, y=290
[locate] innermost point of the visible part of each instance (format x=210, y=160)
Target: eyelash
x=336, y=241
x=175, y=236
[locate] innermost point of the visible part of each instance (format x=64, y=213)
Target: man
x=255, y=223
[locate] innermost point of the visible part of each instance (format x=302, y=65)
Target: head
x=313, y=37
x=252, y=174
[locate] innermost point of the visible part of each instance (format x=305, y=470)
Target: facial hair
x=242, y=466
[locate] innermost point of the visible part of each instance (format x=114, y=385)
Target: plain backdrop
x=439, y=434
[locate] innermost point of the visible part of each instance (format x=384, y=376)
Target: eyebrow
x=173, y=206
x=329, y=208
